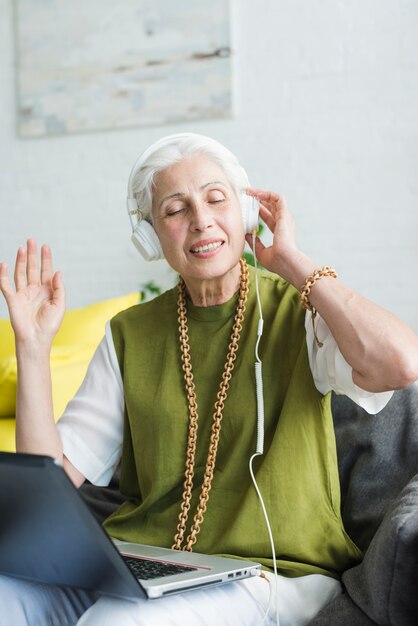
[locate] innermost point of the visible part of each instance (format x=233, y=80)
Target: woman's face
x=197, y=217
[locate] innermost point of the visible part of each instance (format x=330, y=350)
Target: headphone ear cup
x=146, y=241
x=250, y=208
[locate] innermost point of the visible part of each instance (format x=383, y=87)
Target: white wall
x=326, y=111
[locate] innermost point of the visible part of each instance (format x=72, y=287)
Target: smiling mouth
x=207, y=247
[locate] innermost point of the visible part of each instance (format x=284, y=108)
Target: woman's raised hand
x=37, y=306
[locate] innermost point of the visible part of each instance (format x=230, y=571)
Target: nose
x=201, y=217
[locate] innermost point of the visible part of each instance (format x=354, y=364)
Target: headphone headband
x=160, y=143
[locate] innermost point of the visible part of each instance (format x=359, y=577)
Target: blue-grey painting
x=88, y=65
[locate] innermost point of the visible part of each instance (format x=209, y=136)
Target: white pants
x=240, y=603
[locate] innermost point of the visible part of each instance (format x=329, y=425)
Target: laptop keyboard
x=146, y=569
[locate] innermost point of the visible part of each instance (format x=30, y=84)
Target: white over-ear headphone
x=143, y=236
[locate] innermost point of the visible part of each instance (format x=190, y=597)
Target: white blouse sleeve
x=91, y=427
x=331, y=371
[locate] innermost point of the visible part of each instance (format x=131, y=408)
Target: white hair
x=173, y=150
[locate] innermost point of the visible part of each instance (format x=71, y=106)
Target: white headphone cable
x=260, y=439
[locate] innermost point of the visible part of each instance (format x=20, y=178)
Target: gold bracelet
x=305, y=290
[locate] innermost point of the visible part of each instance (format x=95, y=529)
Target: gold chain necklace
x=193, y=415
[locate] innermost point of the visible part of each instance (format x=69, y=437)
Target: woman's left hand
x=282, y=256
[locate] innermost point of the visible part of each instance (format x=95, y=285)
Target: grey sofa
x=378, y=464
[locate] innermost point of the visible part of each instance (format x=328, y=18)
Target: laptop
x=48, y=534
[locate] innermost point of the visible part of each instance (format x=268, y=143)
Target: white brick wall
x=326, y=111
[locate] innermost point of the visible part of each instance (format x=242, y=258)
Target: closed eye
x=176, y=212
x=175, y=208
x=214, y=196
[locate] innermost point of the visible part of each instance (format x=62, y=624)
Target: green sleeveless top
x=297, y=475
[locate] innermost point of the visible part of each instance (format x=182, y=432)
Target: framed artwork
x=90, y=65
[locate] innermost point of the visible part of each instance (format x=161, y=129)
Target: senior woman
x=186, y=359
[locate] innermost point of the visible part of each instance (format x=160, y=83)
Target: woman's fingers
x=272, y=200
x=27, y=266
x=32, y=269
x=20, y=269
x=259, y=246
x=46, y=265
x=275, y=202
x=5, y=285
x=267, y=217
x=58, y=291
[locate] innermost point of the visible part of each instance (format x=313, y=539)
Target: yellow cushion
x=7, y=435
x=7, y=386
x=72, y=349
x=7, y=339
x=83, y=325
x=68, y=368
x=86, y=325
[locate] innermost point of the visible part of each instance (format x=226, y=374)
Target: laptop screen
x=48, y=534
